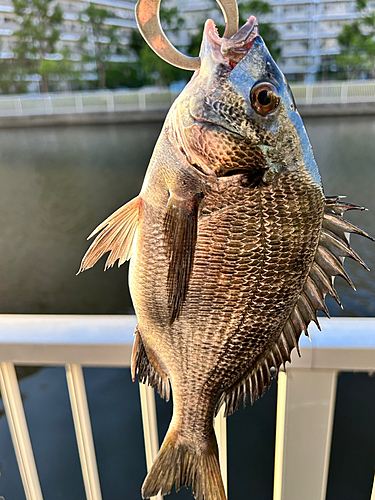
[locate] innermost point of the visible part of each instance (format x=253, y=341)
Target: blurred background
x=82, y=102
x=78, y=45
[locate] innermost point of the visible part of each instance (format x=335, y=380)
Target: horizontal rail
x=31, y=339
x=103, y=340
x=160, y=98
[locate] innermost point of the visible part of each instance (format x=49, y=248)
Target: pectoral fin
x=116, y=235
x=180, y=230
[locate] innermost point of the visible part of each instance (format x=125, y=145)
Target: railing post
x=110, y=102
x=142, y=100
x=344, y=92
x=221, y=435
x=78, y=102
x=19, y=432
x=373, y=490
x=304, y=424
x=82, y=425
x=48, y=104
x=309, y=93
x=18, y=105
x=150, y=426
x=280, y=436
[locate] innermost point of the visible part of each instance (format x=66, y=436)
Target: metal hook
x=147, y=14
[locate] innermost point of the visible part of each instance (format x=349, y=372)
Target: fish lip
x=235, y=48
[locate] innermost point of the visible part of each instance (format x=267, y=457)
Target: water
x=344, y=148
x=57, y=185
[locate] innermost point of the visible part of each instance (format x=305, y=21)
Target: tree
x=36, y=40
x=257, y=8
x=60, y=69
x=357, y=44
x=12, y=79
x=102, y=44
x=152, y=69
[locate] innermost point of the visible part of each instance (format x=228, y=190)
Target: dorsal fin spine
x=291, y=336
x=333, y=247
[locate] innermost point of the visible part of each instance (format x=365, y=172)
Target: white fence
x=335, y=92
x=152, y=99
x=85, y=102
x=305, y=406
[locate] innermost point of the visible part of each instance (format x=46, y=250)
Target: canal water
x=56, y=185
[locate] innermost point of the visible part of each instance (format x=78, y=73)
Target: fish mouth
x=235, y=48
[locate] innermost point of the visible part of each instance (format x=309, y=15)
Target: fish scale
x=233, y=247
x=259, y=295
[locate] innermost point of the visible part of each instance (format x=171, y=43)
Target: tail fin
x=183, y=465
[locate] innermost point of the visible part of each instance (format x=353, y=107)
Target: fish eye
x=264, y=98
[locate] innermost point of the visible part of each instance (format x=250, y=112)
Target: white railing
x=86, y=102
x=335, y=92
x=161, y=99
x=305, y=405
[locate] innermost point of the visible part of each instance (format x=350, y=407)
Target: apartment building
x=72, y=29
x=308, y=30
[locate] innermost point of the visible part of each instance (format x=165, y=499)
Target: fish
x=233, y=248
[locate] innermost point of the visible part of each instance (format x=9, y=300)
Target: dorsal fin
x=328, y=262
x=180, y=229
x=117, y=234
x=148, y=369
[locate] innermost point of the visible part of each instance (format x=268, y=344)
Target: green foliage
x=12, y=77
x=59, y=70
x=357, y=44
x=127, y=74
x=155, y=70
x=257, y=8
x=39, y=32
x=92, y=47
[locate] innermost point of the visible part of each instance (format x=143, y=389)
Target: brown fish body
x=254, y=248
x=233, y=248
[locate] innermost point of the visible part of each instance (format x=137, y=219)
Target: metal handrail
x=75, y=341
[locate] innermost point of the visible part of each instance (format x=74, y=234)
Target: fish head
x=238, y=114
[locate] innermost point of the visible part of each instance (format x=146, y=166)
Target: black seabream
x=233, y=248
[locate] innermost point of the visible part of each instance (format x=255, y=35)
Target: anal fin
x=148, y=369
x=258, y=378
x=116, y=235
